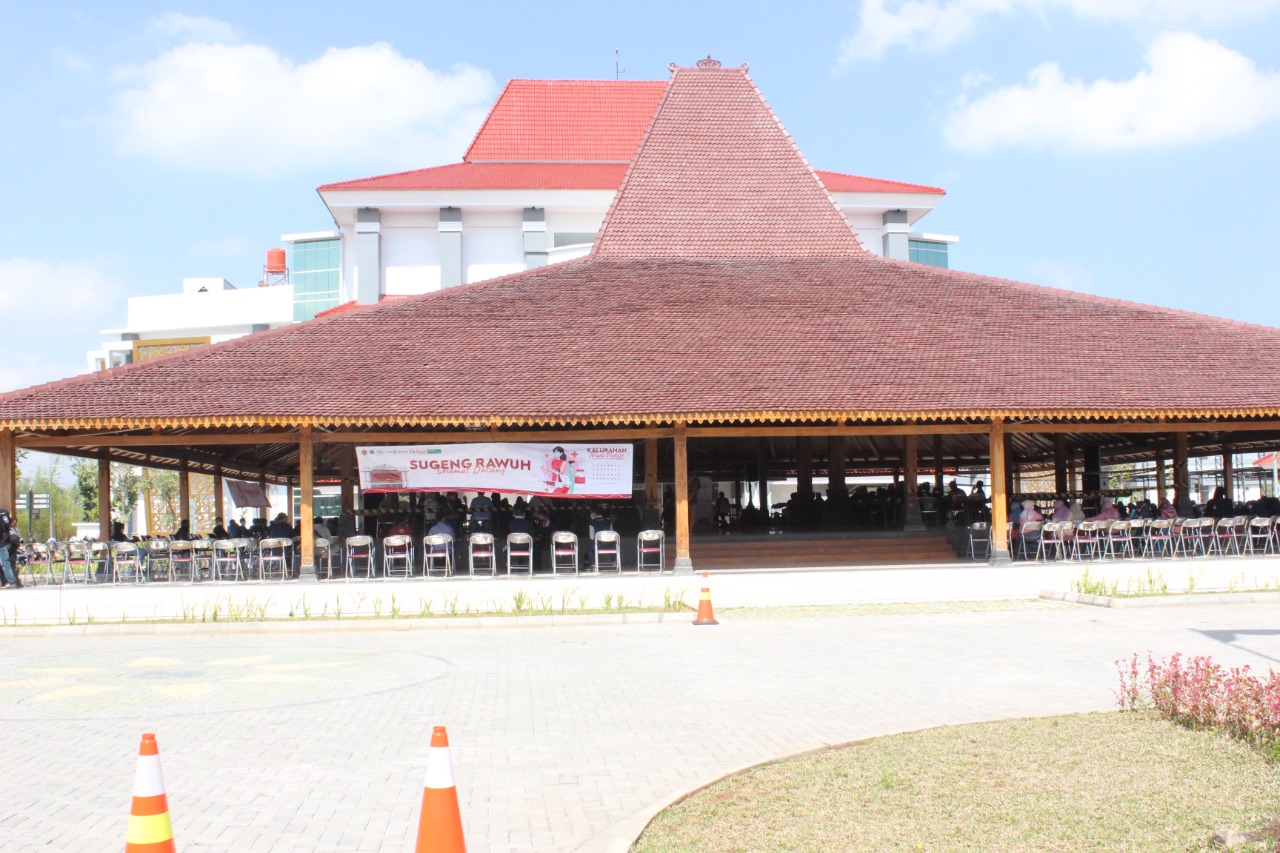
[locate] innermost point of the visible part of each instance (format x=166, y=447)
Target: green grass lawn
x=1085, y=782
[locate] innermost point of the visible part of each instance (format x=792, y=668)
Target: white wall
x=410, y=253
x=196, y=314
x=492, y=243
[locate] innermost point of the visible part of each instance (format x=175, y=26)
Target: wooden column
x=911, y=519
x=347, y=471
x=288, y=495
x=1228, y=471
x=1181, y=479
x=938, y=474
x=762, y=475
x=104, y=500
x=218, y=503
x=837, y=451
x=306, y=484
x=184, y=494
x=652, y=498
x=1161, y=484
x=684, y=564
x=1060, y=483
x=1010, y=464
x=804, y=465
x=999, y=494
x=8, y=472
x=264, y=512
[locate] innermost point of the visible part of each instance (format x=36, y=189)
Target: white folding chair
x=273, y=556
x=564, y=552
x=482, y=554
x=227, y=564
x=125, y=564
x=437, y=555
x=1260, y=536
x=520, y=554
x=651, y=553
x=608, y=547
x=323, y=555
x=75, y=565
x=979, y=540
x=182, y=557
x=100, y=561
x=397, y=556
x=158, y=561
x=359, y=549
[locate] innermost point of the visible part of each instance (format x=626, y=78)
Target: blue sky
x=1121, y=147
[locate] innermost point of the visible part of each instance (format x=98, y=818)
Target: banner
x=247, y=494
x=550, y=470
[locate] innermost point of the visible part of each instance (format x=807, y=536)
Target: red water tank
x=275, y=260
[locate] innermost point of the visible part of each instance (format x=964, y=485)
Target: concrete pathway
x=566, y=738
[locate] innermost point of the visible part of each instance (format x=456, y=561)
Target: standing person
x=10, y=574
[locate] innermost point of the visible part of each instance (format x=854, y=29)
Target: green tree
x=126, y=485
x=64, y=503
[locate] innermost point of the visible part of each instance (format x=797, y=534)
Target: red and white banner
x=551, y=470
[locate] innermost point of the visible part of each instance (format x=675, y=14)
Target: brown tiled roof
x=719, y=335
x=717, y=176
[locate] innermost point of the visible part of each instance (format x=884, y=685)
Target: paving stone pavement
x=565, y=738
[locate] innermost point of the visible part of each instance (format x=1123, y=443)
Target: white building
x=532, y=189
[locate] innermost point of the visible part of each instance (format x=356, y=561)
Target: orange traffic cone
x=706, y=616
x=149, y=828
x=440, y=826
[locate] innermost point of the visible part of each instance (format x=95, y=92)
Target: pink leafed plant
x=1201, y=694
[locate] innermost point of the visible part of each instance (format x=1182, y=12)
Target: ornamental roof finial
x=708, y=62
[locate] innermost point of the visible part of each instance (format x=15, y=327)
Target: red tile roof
x=839, y=182
x=495, y=176
x=723, y=335
x=566, y=121
x=717, y=176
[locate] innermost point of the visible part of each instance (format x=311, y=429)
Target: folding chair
x=564, y=552
x=608, y=547
x=158, y=559
x=359, y=548
x=226, y=560
x=1050, y=541
x=125, y=563
x=482, y=554
x=40, y=562
x=248, y=550
x=1159, y=539
x=75, y=563
x=437, y=555
x=519, y=554
x=202, y=550
x=323, y=552
x=397, y=556
x=1089, y=538
x=1260, y=536
x=273, y=556
x=1117, y=541
x=182, y=557
x=651, y=553
x=1224, y=538
x=979, y=539
x=1032, y=533
x=100, y=561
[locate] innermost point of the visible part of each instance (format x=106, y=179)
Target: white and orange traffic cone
x=149, y=828
x=440, y=825
x=706, y=616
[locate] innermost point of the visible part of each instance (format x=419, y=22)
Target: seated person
x=1107, y=513
x=280, y=528
x=220, y=532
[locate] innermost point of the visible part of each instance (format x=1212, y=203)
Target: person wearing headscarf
x=1061, y=512
x=1167, y=509
x=1077, y=512
x=1030, y=513
x=1107, y=513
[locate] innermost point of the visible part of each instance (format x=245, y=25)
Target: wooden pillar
x=264, y=512
x=218, y=503
x=8, y=472
x=652, y=499
x=1228, y=471
x=184, y=494
x=288, y=496
x=347, y=471
x=938, y=474
x=684, y=564
x=804, y=465
x=999, y=493
x=1181, y=479
x=837, y=451
x=104, y=499
x=1161, y=485
x=1010, y=465
x=911, y=519
x=1060, y=483
x=146, y=502
x=306, y=484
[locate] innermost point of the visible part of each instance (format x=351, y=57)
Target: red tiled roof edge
x=466, y=156
x=889, y=185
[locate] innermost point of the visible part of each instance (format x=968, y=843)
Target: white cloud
x=53, y=310
x=1193, y=89
x=244, y=109
x=937, y=24
x=190, y=28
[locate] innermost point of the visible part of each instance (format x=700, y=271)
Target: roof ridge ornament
x=708, y=62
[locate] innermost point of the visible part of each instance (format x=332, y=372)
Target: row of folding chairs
x=480, y=555
x=1146, y=538
x=160, y=560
